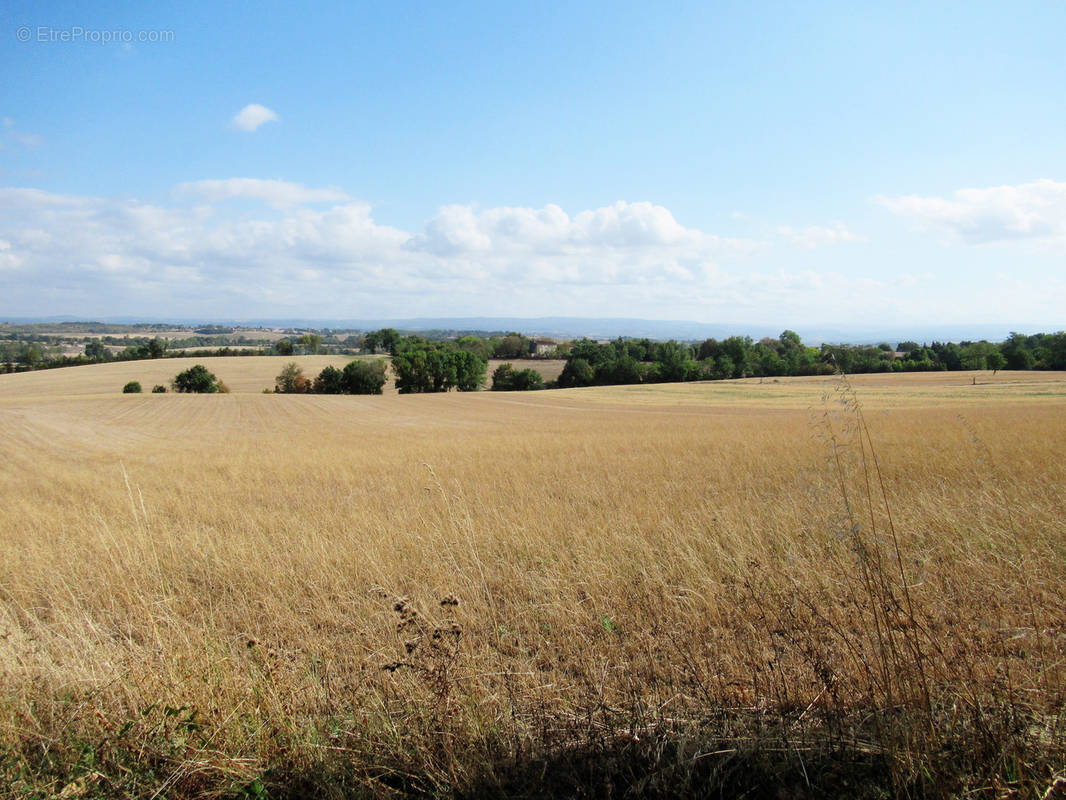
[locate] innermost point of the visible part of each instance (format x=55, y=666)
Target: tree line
x=625, y=361
x=423, y=364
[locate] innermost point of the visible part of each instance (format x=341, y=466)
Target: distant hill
x=608, y=327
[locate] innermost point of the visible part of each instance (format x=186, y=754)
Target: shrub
x=196, y=379
x=133, y=387
x=159, y=389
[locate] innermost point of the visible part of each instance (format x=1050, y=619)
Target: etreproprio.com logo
x=75, y=34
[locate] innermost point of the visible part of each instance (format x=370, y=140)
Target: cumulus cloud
x=280, y=194
x=462, y=229
x=1034, y=211
x=252, y=116
x=320, y=251
x=316, y=252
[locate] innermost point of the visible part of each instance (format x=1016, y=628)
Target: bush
x=133, y=387
x=196, y=379
x=159, y=389
x=364, y=376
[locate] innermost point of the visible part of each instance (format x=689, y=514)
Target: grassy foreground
x=701, y=590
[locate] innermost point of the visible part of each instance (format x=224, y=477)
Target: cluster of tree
x=505, y=378
x=27, y=355
x=308, y=343
x=421, y=365
x=218, y=340
x=438, y=367
x=643, y=361
x=509, y=345
x=366, y=376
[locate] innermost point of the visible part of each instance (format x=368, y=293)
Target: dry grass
x=660, y=590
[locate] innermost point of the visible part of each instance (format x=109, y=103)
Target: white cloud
x=99, y=256
x=1035, y=211
x=814, y=236
x=252, y=116
x=462, y=229
x=330, y=260
x=280, y=194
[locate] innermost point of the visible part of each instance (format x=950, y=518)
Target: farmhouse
x=543, y=347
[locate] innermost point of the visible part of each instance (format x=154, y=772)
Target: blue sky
x=808, y=164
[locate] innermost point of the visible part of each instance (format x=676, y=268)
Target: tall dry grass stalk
x=553, y=593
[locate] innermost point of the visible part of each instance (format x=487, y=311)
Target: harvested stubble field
x=794, y=587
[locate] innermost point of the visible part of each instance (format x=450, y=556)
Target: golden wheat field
x=769, y=587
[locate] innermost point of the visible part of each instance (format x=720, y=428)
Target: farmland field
x=766, y=586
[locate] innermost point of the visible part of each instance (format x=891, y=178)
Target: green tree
x=975, y=355
x=387, y=339
x=621, y=370
x=738, y=348
x=675, y=362
x=133, y=387
x=513, y=345
x=310, y=342
x=30, y=354
x=724, y=368
x=283, y=347
x=97, y=350
x=526, y=380
x=329, y=381
x=995, y=361
x=291, y=380
x=364, y=376
x=577, y=372
x=196, y=379
x=476, y=345
x=469, y=370
x=505, y=378
x=413, y=374
x=156, y=347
